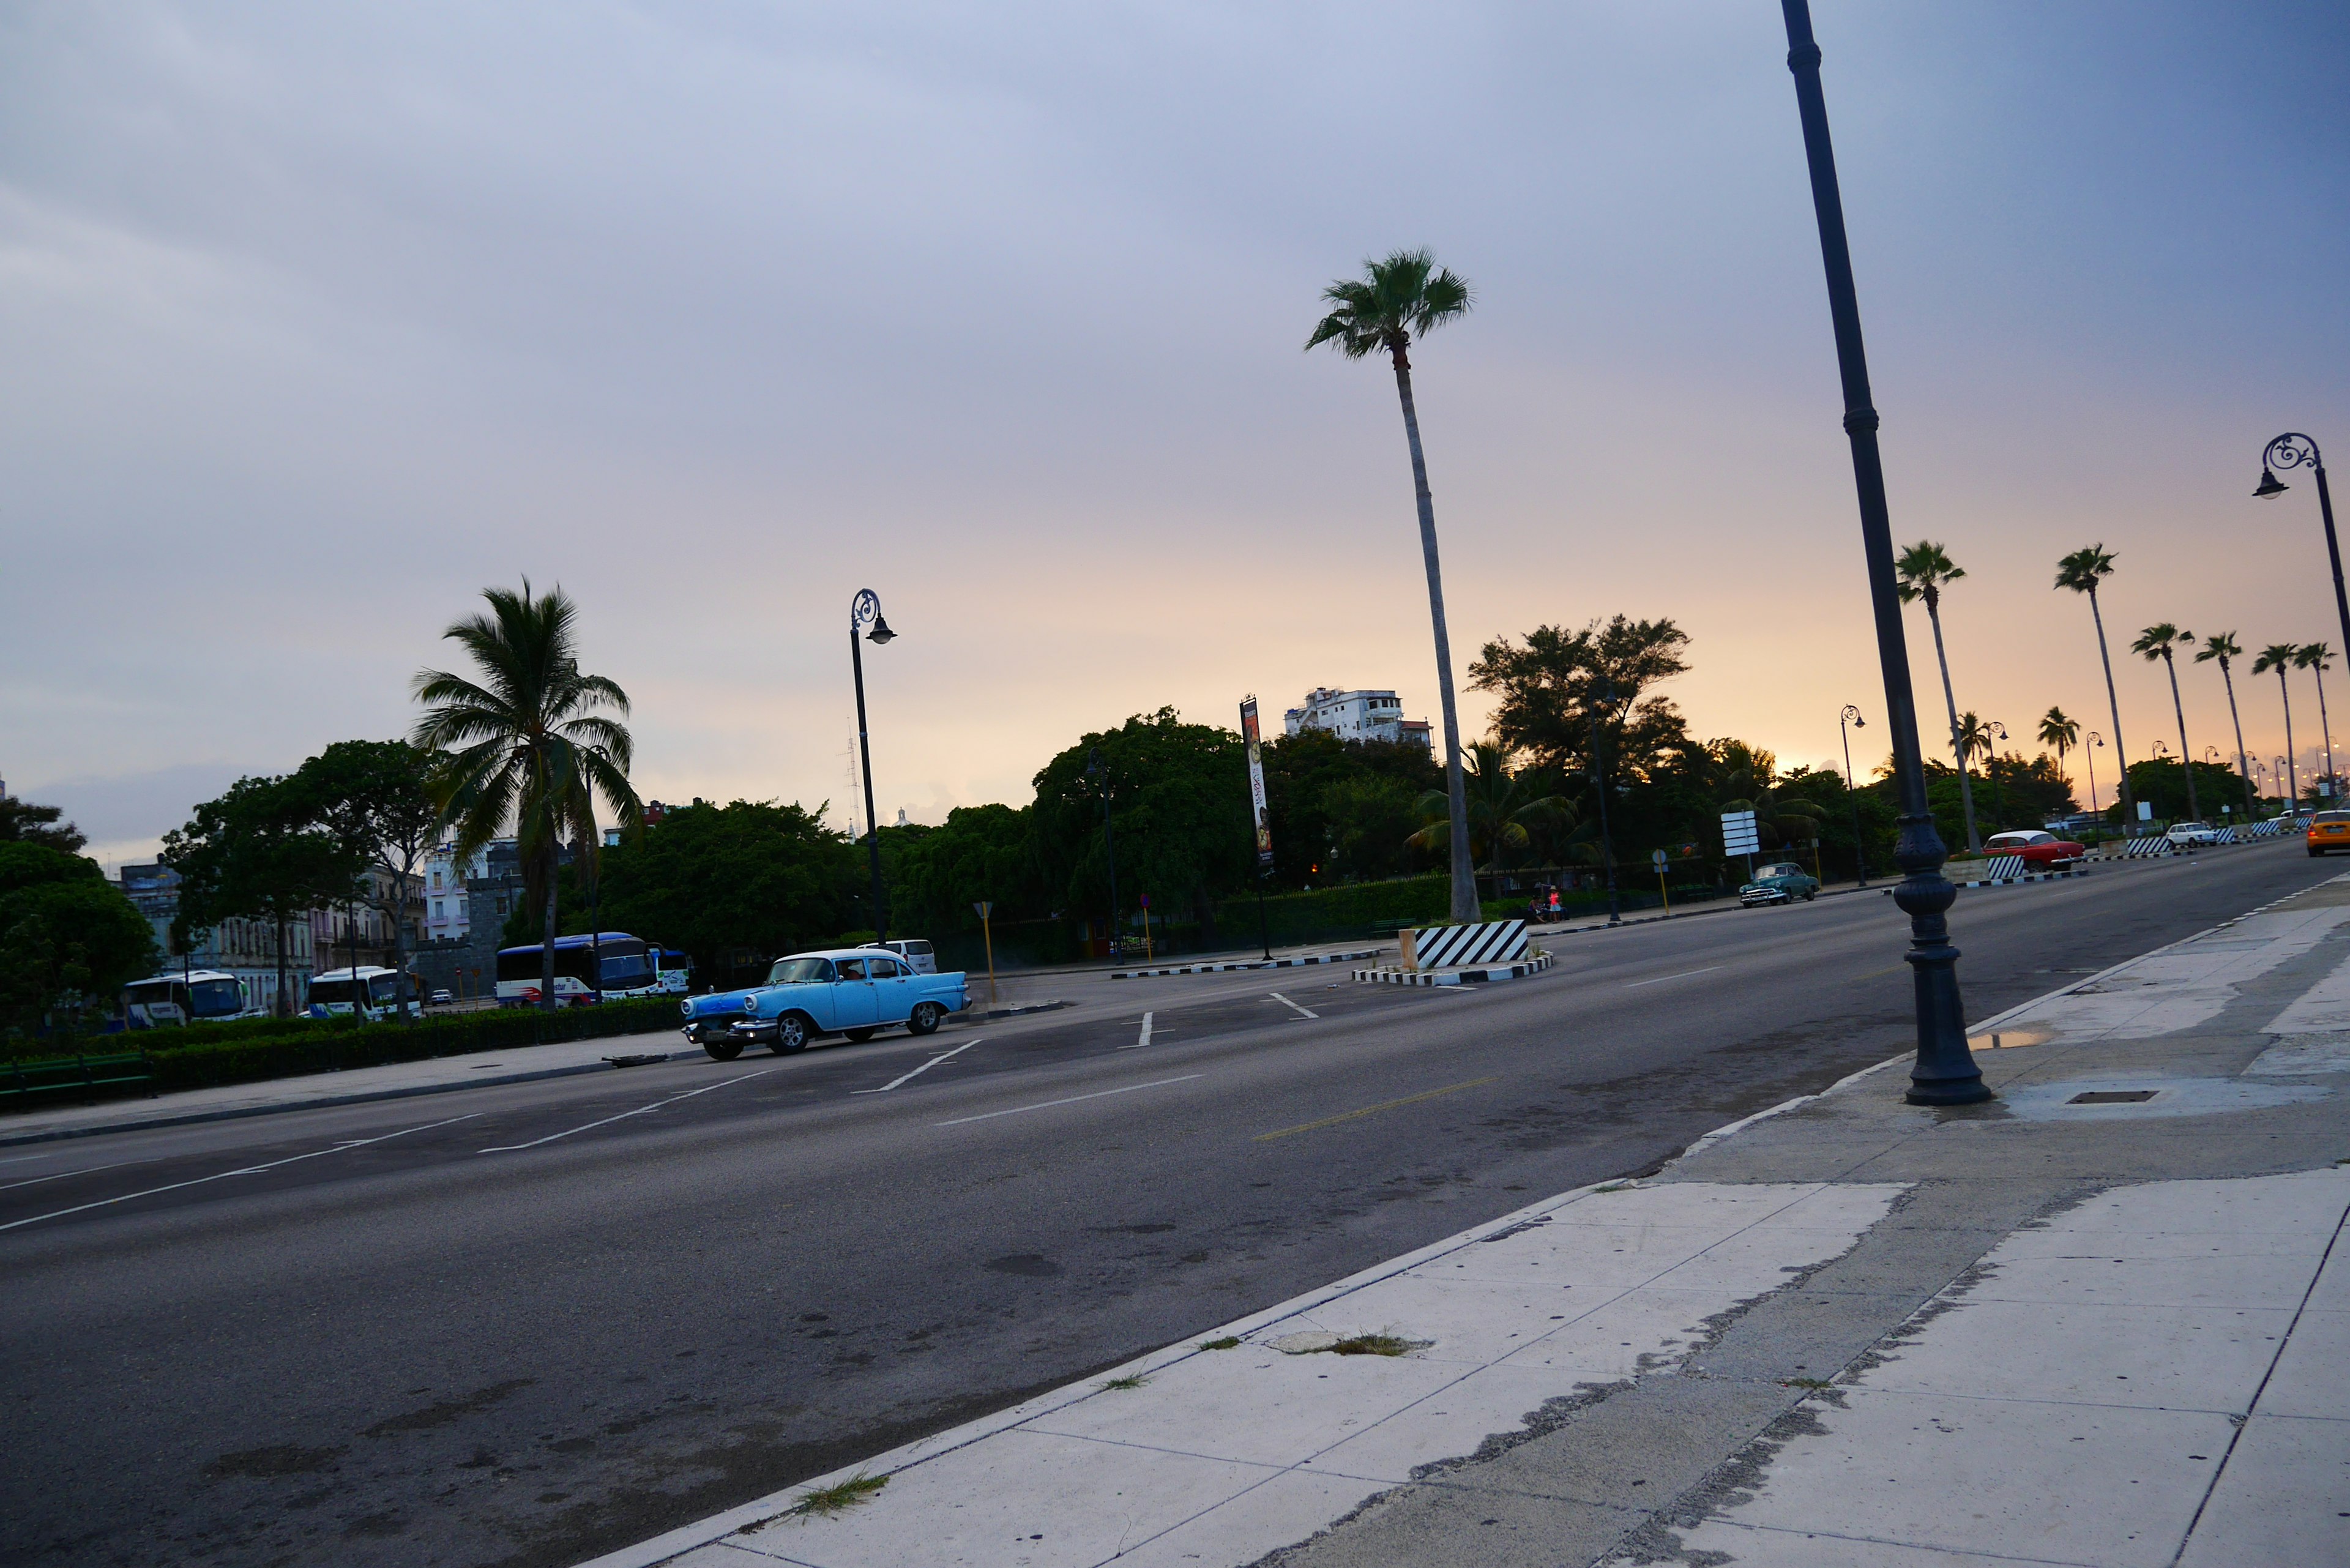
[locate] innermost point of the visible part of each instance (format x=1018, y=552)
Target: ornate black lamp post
x=1599, y=782
x=1851, y=716
x=2090, y=752
x=865, y=610
x=1945, y=1073
x=1996, y=732
x=2294, y=450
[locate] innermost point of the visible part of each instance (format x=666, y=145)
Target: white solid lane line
x=919, y=1071
x=1634, y=985
x=624, y=1115
x=246, y=1170
x=1072, y=1099
x=61, y=1175
x=1308, y=1012
x=1145, y=1038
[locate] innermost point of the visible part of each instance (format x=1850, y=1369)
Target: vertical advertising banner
x=1256, y=787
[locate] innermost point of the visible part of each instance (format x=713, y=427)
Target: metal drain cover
x=2112, y=1097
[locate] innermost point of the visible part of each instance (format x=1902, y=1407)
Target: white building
x=447, y=915
x=245, y=949
x=1357, y=716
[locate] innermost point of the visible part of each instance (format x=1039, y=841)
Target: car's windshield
x=799, y=972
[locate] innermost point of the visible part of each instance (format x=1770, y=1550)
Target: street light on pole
x=1944, y=1073
x=2294, y=450
x=1851, y=716
x=1110, y=842
x=1994, y=730
x=865, y=610
x=2097, y=743
x=1600, y=778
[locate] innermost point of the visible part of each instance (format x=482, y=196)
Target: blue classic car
x=853, y=991
x=709, y=1017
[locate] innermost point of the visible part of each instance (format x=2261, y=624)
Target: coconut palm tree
x=2059, y=732
x=2220, y=648
x=1921, y=572
x=2159, y=641
x=2082, y=571
x=525, y=742
x=1408, y=296
x=1503, y=809
x=2279, y=657
x=2316, y=658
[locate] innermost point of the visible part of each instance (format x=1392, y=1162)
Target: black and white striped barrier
x=1450, y=947
x=2018, y=881
x=2004, y=866
x=1355, y=956
x=1488, y=975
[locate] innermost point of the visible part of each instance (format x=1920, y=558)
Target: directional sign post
x=1740, y=836
x=1657, y=858
x=987, y=934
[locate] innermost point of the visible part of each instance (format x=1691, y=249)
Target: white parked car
x=916, y=952
x=2186, y=835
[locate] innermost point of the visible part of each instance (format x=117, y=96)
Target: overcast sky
x=315, y=320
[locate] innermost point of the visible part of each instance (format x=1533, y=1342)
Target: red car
x=2045, y=850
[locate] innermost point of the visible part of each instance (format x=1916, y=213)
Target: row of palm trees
x=1925, y=569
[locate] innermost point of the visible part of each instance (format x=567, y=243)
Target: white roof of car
x=863, y=953
x=2024, y=835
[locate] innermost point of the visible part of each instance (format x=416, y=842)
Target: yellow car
x=2329, y=830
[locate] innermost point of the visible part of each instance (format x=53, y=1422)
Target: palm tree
x=1750, y=782
x=1922, y=570
x=2159, y=641
x=2060, y=732
x=1503, y=809
x=2317, y=657
x=2221, y=646
x=525, y=744
x=2279, y=657
x=2082, y=571
x=1408, y=296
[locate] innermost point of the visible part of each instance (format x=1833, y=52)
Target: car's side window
x=883, y=969
x=852, y=968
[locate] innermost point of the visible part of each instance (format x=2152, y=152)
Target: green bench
x=21, y=1080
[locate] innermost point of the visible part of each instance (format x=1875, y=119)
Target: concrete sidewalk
x=2104, y=1320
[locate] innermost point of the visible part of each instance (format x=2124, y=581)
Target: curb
x=1486, y=976
x=2019, y=881
x=1253, y=964
x=233, y=1113
x=1011, y=1011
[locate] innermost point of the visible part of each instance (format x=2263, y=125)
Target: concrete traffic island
x=2104, y=1319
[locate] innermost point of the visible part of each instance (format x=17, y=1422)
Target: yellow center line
x=1373, y=1110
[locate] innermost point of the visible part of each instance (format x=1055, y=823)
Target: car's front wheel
x=791, y=1035
x=722, y=1048
x=925, y=1018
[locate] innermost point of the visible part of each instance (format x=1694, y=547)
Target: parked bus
x=196, y=996
x=676, y=971
x=375, y=991
x=628, y=969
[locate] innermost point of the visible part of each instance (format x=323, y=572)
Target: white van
x=916, y=952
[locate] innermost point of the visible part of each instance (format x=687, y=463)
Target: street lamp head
x=881, y=632
x=2270, y=487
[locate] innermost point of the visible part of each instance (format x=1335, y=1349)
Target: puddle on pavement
x=2006, y=1039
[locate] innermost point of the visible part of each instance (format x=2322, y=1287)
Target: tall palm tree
x=526, y=743
x=1504, y=808
x=2279, y=657
x=2082, y=571
x=1922, y=570
x=2220, y=648
x=1408, y=296
x=2159, y=641
x=2060, y=732
x=2317, y=657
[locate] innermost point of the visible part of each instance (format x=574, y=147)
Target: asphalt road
x=525, y=1324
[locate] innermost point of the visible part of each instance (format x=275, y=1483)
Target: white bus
x=195, y=996
x=628, y=969
x=375, y=991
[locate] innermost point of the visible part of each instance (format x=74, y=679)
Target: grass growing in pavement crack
x=827, y=1501
x=1616, y=1186
x=1230, y=1341
x=1805, y=1383
x=1374, y=1345
x=1134, y=1381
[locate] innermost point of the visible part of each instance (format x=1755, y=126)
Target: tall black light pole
x=1851, y=715
x=865, y=610
x=1996, y=731
x=1599, y=779
x=1110, y=842
x=2294, y=450
x=2090, y=752
x=1945, y=1073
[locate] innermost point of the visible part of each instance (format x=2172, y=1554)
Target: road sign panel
x=1658, y=860
x=981, y=907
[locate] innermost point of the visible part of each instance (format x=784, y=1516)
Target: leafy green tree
x=1922, y=571
x=22, y=822
x=1369, y=820
x=1749, y=782
x=529, y=741
x=2081, y=572
x=1180, y=802
x=1321, y=789
x=68, y=938
x=1403, y=298
x=2060, y=731
x=375, y=798
x=258, y=853
x=2161, y=640
x=981, y=853
x=2220, y=648
x=1502, y=811
x=1557, y=683
x=2279, y=657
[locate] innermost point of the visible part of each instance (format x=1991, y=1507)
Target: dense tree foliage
x=22, y=822
x=374, y=798
x=1179, y=802
x=258, y=853
x=68, y=938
